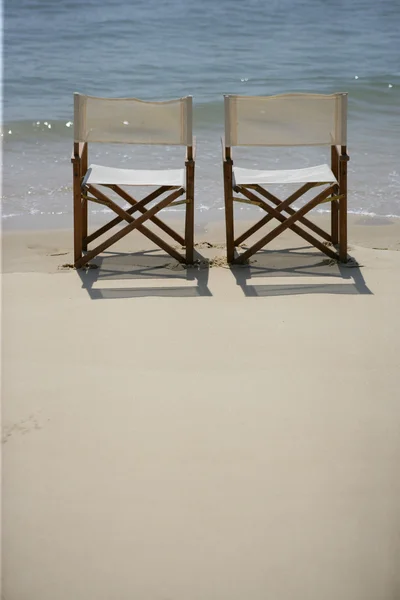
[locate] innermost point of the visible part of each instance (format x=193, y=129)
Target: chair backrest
x=132, y=121
x=286, y=120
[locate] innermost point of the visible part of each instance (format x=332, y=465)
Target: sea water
x=164, y=49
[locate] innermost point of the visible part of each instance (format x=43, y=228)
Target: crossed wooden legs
x=336, y=194
x=92, y=193
x=256, y=195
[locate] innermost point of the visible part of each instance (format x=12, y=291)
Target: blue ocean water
x=163, y=49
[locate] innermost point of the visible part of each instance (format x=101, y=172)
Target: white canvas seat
x=132, y=121
x=317, y=174
x=100, y=175
x=287, y=120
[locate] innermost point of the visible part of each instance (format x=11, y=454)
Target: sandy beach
x=206, y=433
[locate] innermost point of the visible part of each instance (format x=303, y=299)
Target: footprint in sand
x=22, y=427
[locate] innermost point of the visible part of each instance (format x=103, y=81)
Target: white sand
x=173, y=435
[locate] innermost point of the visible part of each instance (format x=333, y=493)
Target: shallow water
x=166, y=49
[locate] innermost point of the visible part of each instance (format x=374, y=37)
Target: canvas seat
x=283, y=121
x=320, y=173
x=132, y=121
x=97, y=174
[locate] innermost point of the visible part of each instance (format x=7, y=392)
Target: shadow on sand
x=151, y=274
x=156, y=275
x=298, y=262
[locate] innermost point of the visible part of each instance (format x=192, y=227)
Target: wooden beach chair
x=131, y=121
x=288, y=120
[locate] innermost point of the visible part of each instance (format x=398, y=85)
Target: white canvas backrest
x=132, y=121
x=286, y=120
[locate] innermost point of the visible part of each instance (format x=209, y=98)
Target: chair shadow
x=146, y=266
x=299, y=262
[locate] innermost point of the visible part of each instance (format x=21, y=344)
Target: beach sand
x=210, y=433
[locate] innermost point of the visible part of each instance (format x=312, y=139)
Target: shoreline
x=213, y=215
x=46, y=250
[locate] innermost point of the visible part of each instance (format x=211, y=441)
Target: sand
x=173, y=434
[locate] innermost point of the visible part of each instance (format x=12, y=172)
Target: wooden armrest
x=191, y=151
x=226, y=151
x=342, y=154
x=77, y=151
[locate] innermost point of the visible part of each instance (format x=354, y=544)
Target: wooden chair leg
x=84, y=223
x=343, y=230
x=335, y=222
x=189, y=217
x=77, y=211
x=84, y=167
x=343, y=206
x=229, y=222
x=334, y=204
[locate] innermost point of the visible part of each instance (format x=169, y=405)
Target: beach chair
x=131, y=121
x=287, y=120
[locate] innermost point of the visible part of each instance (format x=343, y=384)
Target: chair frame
x=255, y=194
x=83, y=194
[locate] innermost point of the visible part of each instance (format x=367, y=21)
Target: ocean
x=164, y=49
